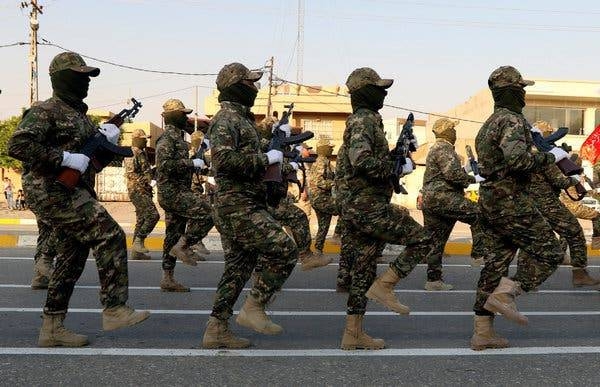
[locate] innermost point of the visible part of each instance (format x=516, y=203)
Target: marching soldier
x=48, y=139
x=140, y=181
x=187, y=216
x=511, y=219
x=241, y=215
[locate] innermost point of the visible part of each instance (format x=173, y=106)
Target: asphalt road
x=561, y=345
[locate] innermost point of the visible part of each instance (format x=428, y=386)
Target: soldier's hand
x=408, y=167
x=152, y=183
x=111, y=132
x=77, y=161
x=274, y=156
x=295, y=165
x=199, y=163
x=479, y=179
x=558, y=153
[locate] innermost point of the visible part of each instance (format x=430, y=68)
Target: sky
x=438, y=52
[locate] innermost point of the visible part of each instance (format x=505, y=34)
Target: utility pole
x=34, y=25
x=300, y=43
x=196, y=111
x=270, y=66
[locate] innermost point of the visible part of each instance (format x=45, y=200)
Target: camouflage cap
x=366, y=76
x=443, y=124
x=175, y=105
x=507, y=76
x=72, y=61
x=232, y=73
x=139, y=133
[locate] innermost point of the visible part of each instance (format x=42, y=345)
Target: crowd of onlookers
x=13, y=202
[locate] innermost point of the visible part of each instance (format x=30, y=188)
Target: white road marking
x=392, y=352
x=288, y=313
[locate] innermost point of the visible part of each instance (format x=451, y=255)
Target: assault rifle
x=404, y=145
x=276, y=186
x=295, y=156
x=566, y=165
x=472, y=161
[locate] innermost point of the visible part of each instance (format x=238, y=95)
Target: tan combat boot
x=137, y=256
x=433, y=286
x=54, y=333
x=218, y=335
x=200, y=248
x=138, y=246
x=355, y=338
x=310, y=260
x=168, y=283
x=122, y=316
x=595, y=243
x=382, y=291
x=502, y=300
x=253, y=316
x=183, y=252
x=484, y=335
x=582, y=278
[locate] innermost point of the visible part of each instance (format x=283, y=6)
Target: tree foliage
x=7, y=127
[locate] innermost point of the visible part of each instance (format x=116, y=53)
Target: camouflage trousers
x=146, y=214
x=79, y=227
x=371, y=223
x=295, y=221
x=248, y=233
x=45, y=248
x=528, y=231
x=324, y=208
x=566, y=225
x=348, y=254
x=187, y=215
x=439, y=222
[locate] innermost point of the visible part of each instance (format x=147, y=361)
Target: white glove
x=577, y=178
x=479, y=179
x=558, y=153
x=294, y=165
x=299, y=148
x=111, y=132
x=199, y=163
x=211, y=180
x=152, y=183
x=207, y=143
x=76, y=161
x=274, y=156
x=535, y=129
x=415, y=143
x=408, y=167
x=287, y=129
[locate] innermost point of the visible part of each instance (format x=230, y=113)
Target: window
x=557, y=117
x=597, y=121
x=321, y=128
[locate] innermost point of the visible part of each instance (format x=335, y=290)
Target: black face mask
x=369, y=97
x=177, y=119
x=511, y=98
x=71, y=86
x=240, y=93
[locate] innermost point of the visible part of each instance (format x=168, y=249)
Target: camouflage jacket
x=237, y=160
x=138, y=171
x=578, y=209
x=46, y=130
x=321, y=180
x=504, y=148
x=545, y=185
x=444, y=176
x=367, y=163
x=173, y=165
x=342, y=167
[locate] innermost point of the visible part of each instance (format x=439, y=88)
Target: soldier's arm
x=28, y=142
x=557, y=179
x=145, y=167
x=320, y=181
x=452, y=170
x=516, y=144
x=360, y=152
x=226, y=157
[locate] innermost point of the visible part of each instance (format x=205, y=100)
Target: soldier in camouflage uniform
x=140, y=181
x=200, y=179
x=444, y=200
x=511, y=219
x=241, y=214
x=366, y=209
x=321, y=183
x=544, y=188
x=47, y=140
x=187, y=216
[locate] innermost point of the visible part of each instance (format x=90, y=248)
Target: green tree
x=7, y=127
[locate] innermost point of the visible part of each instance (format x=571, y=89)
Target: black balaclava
x=71, y=87
x=176, y=118
x=240, y=93
x=510, y=97
x=369, y=97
